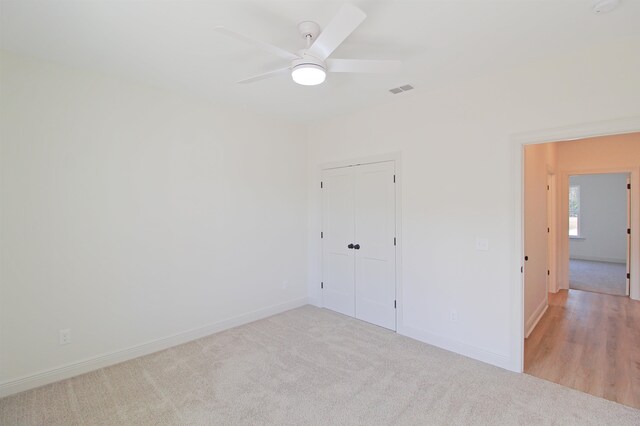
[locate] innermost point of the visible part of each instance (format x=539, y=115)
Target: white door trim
x=397, y=158
x=552, y=239
x=518, y=141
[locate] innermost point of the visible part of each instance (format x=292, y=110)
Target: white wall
x=603, y=218
x=459, y=182
x=130, y=214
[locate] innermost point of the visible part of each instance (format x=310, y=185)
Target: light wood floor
x=590, y=342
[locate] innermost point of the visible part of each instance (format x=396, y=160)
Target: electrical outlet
x=482, y=244
x=453, y=316
x=64, y=336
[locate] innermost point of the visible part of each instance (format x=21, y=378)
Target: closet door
x=338, y=265
x=375, y=255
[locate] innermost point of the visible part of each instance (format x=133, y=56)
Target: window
x=574, y=210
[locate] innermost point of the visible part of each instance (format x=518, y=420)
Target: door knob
x=357, y=247
x=350, y=246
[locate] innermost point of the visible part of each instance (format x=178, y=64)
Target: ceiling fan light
x=308, y=74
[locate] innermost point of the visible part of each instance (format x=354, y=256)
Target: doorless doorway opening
x=599, y=232
x=568, y=133
x=574, y=317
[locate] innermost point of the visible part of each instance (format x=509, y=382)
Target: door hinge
x=321, y=185
x=547, y=187
x=521, y=269
x=629, y=231
x=548, y=272
x=548, y=230
x=628, y=186
x=321, y=234
x=321, y=284
x=394, y=241
x=628, y=276
x=394, y=178
x=395, y=305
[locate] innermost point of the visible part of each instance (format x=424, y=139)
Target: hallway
x=589, y=342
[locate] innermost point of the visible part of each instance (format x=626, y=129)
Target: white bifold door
x=359, y=242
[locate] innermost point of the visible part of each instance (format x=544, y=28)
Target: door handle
x=350, y=246
x=357, y=247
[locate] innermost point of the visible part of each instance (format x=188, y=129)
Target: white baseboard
x=599, y=259
x=535, y=317
x=458, y=347
x=94, y=363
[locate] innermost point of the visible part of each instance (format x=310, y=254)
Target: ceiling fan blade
x=362, y=65
x=261, y=44
x=264, y=75
x=344, y=23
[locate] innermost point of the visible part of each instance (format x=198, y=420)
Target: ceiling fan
x=310, y=65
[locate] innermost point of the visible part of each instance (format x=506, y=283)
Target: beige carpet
x=308, y=366
x=599, y=277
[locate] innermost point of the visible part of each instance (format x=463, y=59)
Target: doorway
x=584, y=338
x=598, y=232
x=359, y=242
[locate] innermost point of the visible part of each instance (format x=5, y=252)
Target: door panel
x=551, y=234
x=338, y=292
x=628, y=286
x=375, y=223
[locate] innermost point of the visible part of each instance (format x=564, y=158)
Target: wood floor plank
x=590, y=342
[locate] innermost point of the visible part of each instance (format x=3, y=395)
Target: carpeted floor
x=308, y=366
x=599, y=277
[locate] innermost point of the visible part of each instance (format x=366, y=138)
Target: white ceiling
x=172, y=44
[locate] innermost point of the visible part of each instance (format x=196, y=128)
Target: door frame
x=552, y=239
x=396, y=157
x=518, y=142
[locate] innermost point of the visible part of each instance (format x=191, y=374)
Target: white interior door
x=338, y=291
x=628, y=235
x=551, y=234
x=375, y=255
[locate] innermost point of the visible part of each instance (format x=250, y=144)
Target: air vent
x=401, y=89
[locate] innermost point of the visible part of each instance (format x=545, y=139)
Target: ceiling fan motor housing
x=309, y=29
x=308, y=60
